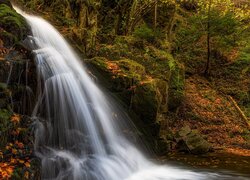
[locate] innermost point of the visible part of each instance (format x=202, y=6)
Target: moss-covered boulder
x=148, y=80
x=122, y=71
x=191, y=141
x=145, y=101
x=13, y=27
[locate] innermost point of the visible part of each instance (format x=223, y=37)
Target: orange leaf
x=9, y=170
x=13, y=161
x=7, y=147
x=27, y=164
x=15, y=118
x=26, y=175
x=19, y=144
x=21, y=161
x=14, y=151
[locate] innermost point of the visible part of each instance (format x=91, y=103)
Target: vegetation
x=13, y=26
x=175, y=65
x=164, y=43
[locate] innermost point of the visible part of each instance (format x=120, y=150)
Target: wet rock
x=29, y=43
x=191, y=141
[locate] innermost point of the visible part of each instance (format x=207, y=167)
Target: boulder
x=191, y=141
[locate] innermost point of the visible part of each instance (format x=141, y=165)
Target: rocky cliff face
x=17, y=96
x=15, y=60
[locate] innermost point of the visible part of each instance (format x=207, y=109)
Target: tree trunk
x=155, y=15
x=208, y=63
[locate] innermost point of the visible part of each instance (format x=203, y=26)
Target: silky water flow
x=76, y=135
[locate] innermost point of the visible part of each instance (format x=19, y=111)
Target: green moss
x=136, y=63
x=126, y=67
x=13, y=25
x=156, y=62
x=176, y=86
x=8, y=12
x=8, y=38
x=100, y=62
x=131, y=69
x=144, y=32
x=4, y=126
x=145, y=102
x=3, y=86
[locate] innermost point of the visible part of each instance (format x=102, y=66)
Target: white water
x=76, y=135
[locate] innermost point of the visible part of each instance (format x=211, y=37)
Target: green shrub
x=144, y=32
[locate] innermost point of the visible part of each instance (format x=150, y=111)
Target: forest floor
x=214, y=115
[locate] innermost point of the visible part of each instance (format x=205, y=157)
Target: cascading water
x=76, y=135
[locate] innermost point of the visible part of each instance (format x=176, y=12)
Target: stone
x=191, y=141
x=184, y=131
x=145, y=103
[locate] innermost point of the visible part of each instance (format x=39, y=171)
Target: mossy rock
x=191, y=141
x=183, y=132
x=128, y=78
x=109, y=51
x=99, y=62
x=131, y=69
x=120, y=73
x=197, y=144
x=13, y=26
x=145, y=102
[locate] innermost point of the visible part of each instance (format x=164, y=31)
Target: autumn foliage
x=15, y=157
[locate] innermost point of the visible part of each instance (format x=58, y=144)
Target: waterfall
x=76, y=135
